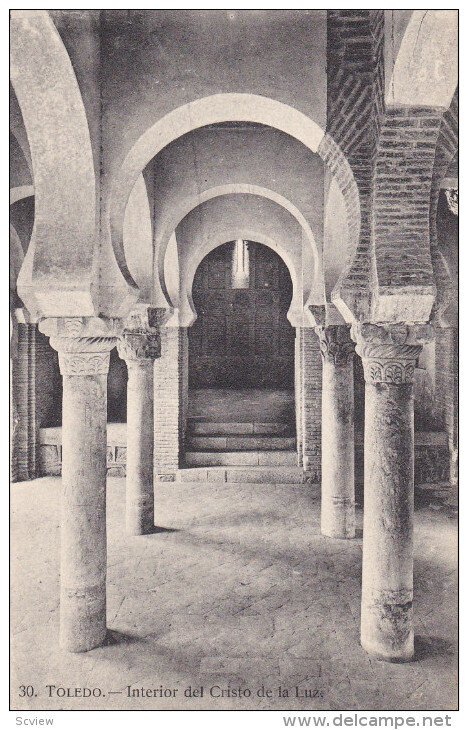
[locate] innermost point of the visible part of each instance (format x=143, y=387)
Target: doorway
x=241, y=358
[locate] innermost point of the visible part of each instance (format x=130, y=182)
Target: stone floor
x=235, y=589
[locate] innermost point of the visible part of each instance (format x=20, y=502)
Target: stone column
x=139, y=350
x=337, y=506
x=84, y=347
x=389, y=357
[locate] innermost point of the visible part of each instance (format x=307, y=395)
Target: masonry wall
x=311, y=409
x=170, y=402
x=354, y=91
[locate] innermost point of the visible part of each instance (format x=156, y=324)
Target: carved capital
x=389, y=353
x=135, y=346
x=336, y=345
x=83, y=355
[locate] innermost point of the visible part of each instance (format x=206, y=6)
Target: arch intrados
x=425, y=70
x=236, y=189
x=16, y=256
x=215, y=109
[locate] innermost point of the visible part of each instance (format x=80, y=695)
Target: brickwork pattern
x=447, y=146
x=170, y=402
x=298, y=391
x=401, y=196
x=25, y=431
x=354, y=101
x=311, y=404
x=392, y=153
x=446, y=390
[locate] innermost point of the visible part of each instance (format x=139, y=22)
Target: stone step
x=198, y=427
x=249, y=442
x=240, y=458
x=238, y=474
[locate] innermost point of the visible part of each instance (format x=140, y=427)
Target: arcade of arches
x=231, y=277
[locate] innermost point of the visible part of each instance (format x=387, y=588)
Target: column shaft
x=389, y=357
x=140, y=441
x=139, y=345
x=387, y=568
x=84, y=346
x=83, y=526
x=338, y=505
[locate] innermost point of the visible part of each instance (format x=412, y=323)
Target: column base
x=387, y=657
x=387, y=633
x=83, y=620
x=139, y=519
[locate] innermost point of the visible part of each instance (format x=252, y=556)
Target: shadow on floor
x=429, y=646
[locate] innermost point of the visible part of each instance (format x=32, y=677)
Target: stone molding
x=389, y=353
x=336, y=345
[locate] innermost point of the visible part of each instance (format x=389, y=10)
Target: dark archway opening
x=241, y=347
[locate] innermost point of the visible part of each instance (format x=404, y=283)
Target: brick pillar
x=298, y=394
x=446, y=391
x=13, y=403
x=25, y=430
x=389, y=357
x=311, y=404
x=170, y=402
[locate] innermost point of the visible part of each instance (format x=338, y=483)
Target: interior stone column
x=389, y=357
x=139, y=350
x=338, y=499
x=84, y=347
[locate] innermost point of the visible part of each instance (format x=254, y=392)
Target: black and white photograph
x=233, y=363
